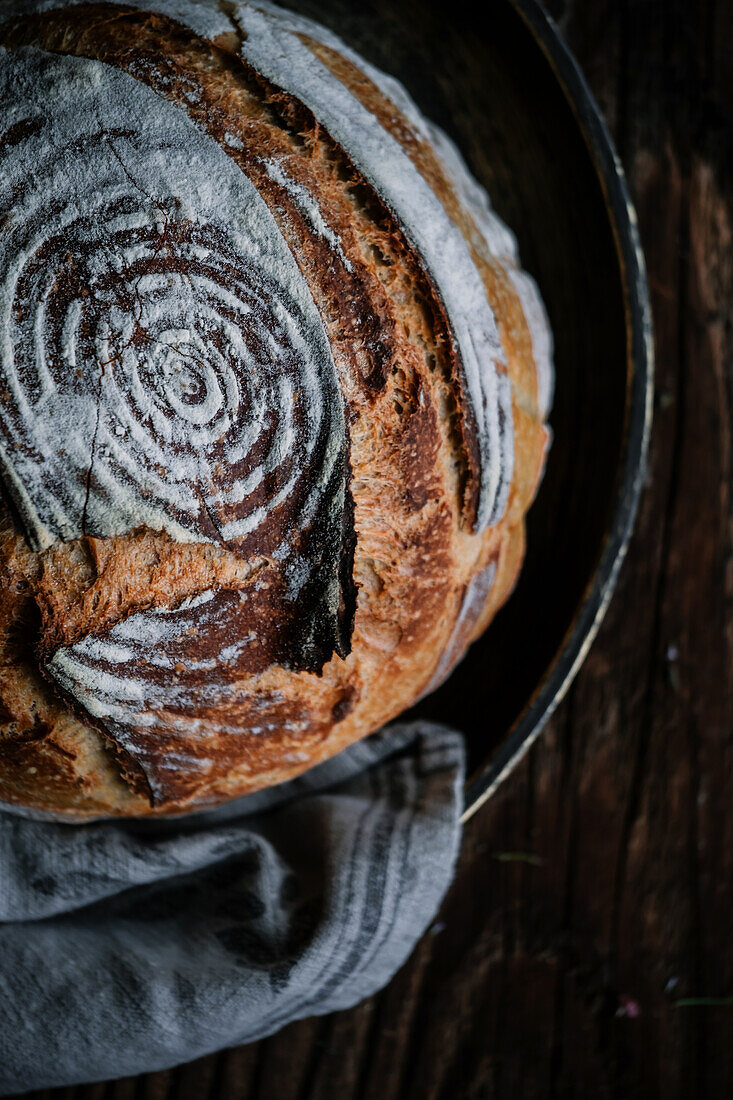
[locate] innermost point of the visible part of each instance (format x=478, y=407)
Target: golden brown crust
x=412, y=463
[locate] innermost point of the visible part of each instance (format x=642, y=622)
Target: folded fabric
x=127, y=947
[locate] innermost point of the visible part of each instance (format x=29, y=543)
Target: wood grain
x=593, y=899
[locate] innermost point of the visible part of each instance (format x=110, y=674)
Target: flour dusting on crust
x=166, y=683
x=270, y=43
x=164, y=363
x=502, y=245
x=308, y=206
x=272, y=48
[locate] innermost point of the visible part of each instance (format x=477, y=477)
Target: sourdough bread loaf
x=272, y=403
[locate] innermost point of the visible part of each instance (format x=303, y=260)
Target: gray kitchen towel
x=127, y=947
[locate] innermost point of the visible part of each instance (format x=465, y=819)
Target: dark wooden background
x=586, y=947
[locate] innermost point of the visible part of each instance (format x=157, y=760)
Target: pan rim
x=561, y=672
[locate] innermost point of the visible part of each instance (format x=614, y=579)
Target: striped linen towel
x=127, y=947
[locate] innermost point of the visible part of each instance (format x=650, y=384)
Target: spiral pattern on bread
x=273, y=399
x=207, y=432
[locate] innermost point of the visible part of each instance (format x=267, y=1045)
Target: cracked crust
x=422, y=584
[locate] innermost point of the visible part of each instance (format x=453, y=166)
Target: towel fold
x=128, y=947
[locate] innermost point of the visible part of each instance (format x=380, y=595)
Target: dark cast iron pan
x=499, y=79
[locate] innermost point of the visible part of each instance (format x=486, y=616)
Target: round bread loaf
x=272, y=403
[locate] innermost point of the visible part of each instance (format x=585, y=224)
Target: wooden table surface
x=585, y=948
